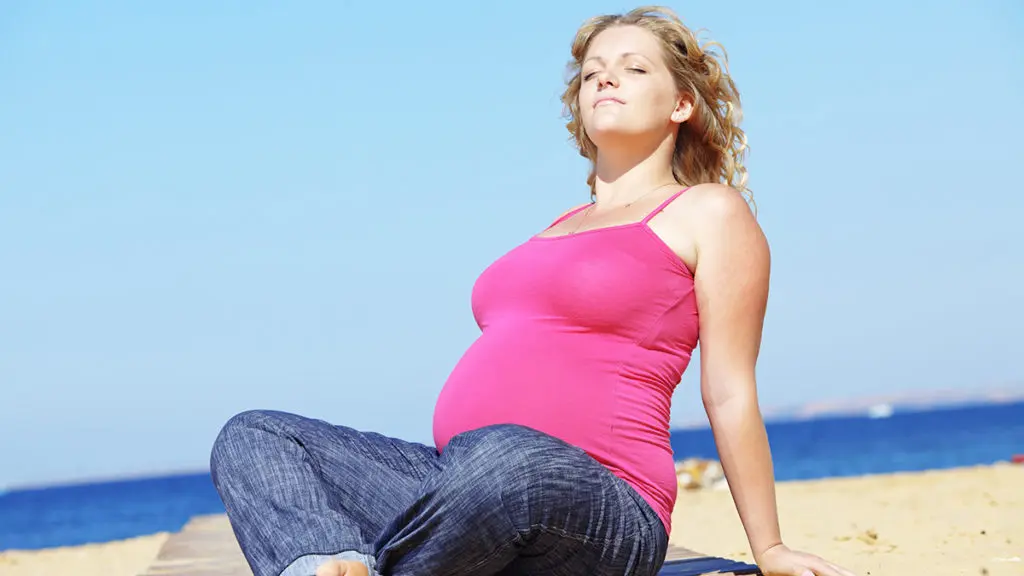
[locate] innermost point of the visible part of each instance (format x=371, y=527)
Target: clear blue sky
x=211, y=207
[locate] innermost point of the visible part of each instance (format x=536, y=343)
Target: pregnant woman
x=551, y=435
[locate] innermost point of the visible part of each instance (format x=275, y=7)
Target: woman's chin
x=610, y=135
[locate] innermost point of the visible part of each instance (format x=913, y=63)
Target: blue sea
x=947, y=438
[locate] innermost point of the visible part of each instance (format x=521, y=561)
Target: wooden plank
x=680, y=553
x=206, y=546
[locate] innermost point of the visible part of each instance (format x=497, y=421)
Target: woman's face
x=626, y=89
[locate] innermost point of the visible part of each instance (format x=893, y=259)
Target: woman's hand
x=781, y=561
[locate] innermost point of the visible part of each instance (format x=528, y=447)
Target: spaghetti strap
x=568, y=214
x=663, y=205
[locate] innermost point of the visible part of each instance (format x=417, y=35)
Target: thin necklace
x=586, y=213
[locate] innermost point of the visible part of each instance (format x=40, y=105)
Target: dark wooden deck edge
x=206, y=546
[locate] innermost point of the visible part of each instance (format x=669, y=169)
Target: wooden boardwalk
x=206, y=546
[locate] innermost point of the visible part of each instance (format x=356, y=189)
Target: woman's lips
x=607, y=100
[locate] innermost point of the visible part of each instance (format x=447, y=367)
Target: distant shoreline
x=869, y=406
x=105, y=479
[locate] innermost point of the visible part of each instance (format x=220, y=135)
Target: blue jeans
x=503, y=499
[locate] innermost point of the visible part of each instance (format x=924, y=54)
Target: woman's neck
x=622, y=177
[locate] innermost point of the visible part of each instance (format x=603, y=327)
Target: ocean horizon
x=902, y=440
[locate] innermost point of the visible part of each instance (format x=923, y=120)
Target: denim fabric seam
x=497, y=551
x=650, y=525
x=519, y=536
x=583, y=539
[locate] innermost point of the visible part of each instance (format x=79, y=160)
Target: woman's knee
x=491, y=454
x=239, y=439
x=516, y=465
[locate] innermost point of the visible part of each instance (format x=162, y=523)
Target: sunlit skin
x=343, y=568
x=632, y=110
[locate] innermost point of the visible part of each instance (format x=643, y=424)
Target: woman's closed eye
x=633, y=69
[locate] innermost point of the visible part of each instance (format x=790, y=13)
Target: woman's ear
x=683, y=110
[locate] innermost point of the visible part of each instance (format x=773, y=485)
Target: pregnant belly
x=508, y=379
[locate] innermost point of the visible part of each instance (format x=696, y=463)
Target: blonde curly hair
x=710, y=146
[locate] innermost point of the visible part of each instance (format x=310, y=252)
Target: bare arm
x=731, y=278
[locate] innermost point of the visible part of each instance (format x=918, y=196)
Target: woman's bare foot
x=342, y=568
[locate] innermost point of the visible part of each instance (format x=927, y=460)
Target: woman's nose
x=606, y=79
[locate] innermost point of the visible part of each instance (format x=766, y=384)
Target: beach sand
x=966, y=521
x=122, y=558
x=962, y=521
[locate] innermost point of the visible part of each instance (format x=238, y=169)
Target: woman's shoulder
x=717, y=200
x=707, y=218
x=711, y=206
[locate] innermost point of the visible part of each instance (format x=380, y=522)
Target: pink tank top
x=583, y=337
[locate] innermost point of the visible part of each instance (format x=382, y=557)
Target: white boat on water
x=880, y=411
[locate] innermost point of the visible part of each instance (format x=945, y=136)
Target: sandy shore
x=122, y=558
x=953, y=522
